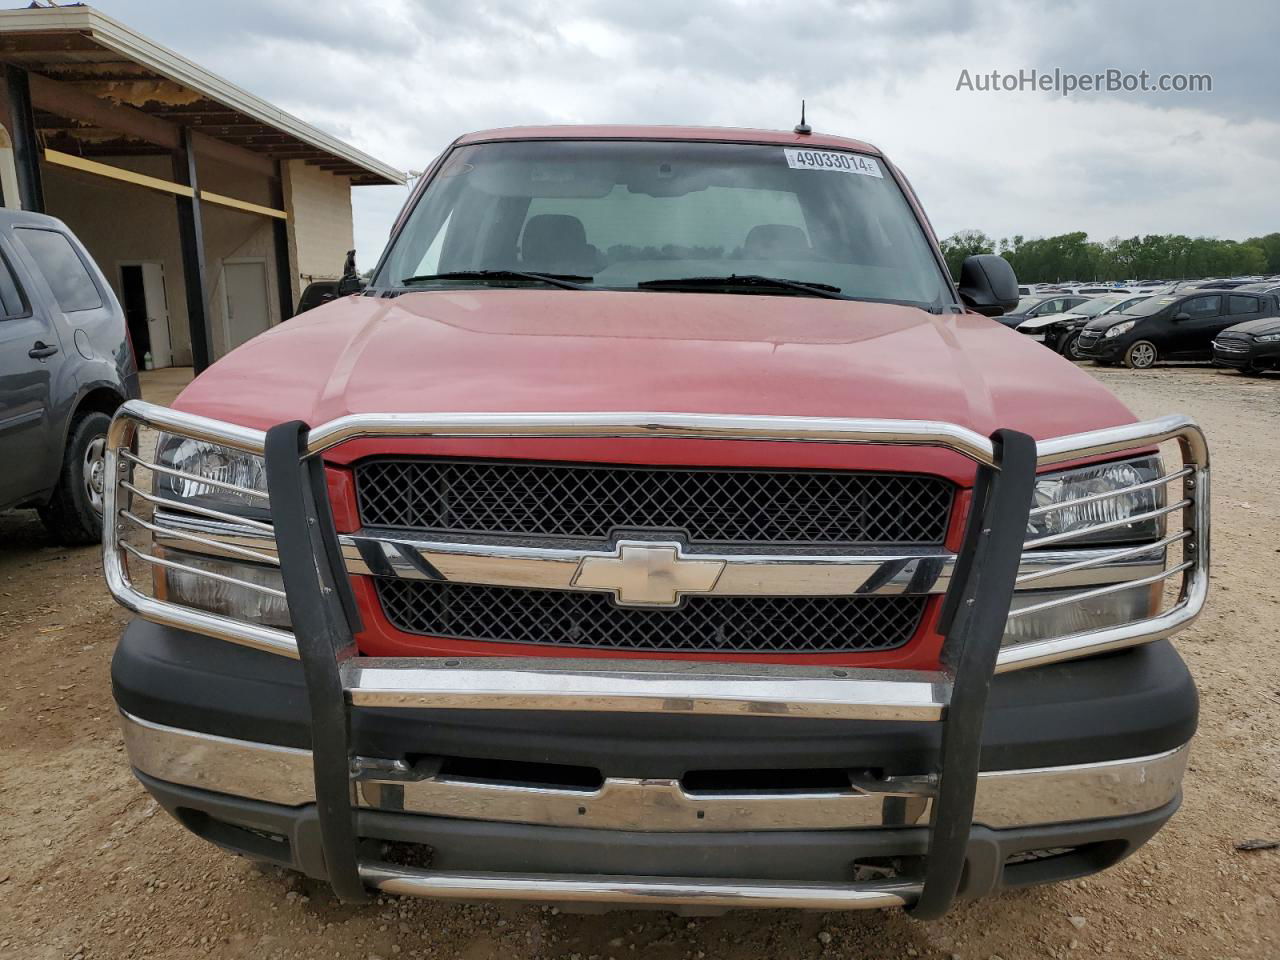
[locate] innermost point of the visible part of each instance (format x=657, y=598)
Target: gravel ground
x=89, y=867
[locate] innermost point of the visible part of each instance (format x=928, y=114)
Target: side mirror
x=988, y=284
x=1183, y=316
x=351, y=283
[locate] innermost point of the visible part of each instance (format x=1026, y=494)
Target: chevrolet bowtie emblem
x=648, y=574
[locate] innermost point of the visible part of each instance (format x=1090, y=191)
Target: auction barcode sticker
x=832, y=160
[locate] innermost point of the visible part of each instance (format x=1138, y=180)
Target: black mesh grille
x=709, y=624
x=707, y=505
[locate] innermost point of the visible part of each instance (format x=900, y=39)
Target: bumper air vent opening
x=1053, y=864
x=520, y=773
x=238, y=838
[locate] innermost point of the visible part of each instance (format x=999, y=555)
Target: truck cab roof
x=637, y=132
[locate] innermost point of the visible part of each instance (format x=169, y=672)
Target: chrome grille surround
x=701, y=505
x=1042, y=567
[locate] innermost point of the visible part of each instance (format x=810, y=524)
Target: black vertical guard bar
x=974, y=615
x=325, y=620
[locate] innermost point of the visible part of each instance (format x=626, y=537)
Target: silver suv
x=65, y=366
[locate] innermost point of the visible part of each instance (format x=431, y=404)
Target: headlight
x=1120, y=328
x=220, y=464
x=209, y=467
x=1096, y=613
x=1083, y=482
x=1268, y=338
x=219, y=596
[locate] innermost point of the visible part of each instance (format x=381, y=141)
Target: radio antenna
x=803, y=128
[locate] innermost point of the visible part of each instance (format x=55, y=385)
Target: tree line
x=1073, y=256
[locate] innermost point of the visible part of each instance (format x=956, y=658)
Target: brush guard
x=975, y=610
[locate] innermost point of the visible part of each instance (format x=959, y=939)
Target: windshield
x=1123, y=306
x=617, y=214
x=1149, y=306
x=1091, y=308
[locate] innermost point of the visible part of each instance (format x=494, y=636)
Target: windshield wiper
x=745, y=280
x=566, y=281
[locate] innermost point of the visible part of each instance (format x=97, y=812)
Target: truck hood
x=521, y=350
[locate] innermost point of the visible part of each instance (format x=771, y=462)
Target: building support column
x=280, y=236
x=26, y=145
x=191, y=239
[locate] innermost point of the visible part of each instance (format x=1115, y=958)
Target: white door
x=157, y=314
x=247, y=308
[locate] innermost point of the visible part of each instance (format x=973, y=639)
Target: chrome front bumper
x=1004, y=799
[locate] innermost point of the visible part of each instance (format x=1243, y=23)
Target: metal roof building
x=208, y=208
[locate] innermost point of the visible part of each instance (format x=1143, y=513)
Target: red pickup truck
x=663, y=525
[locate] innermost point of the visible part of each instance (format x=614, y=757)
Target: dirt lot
x=90, y=868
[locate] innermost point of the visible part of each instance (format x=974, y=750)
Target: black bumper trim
x=1135, y=702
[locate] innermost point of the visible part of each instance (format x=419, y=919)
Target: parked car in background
x=1171, y=327
x=1229, y=284
x=1262, y=286
x=1182, y=286
x=1250, y=347
x=1029, y=308
x=65, y=366
x=1060, y=331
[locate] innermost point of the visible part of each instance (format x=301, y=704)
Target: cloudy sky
x=401, y=78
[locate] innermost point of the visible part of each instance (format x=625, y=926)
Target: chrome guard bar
x=318, y=589
x=255, y=540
